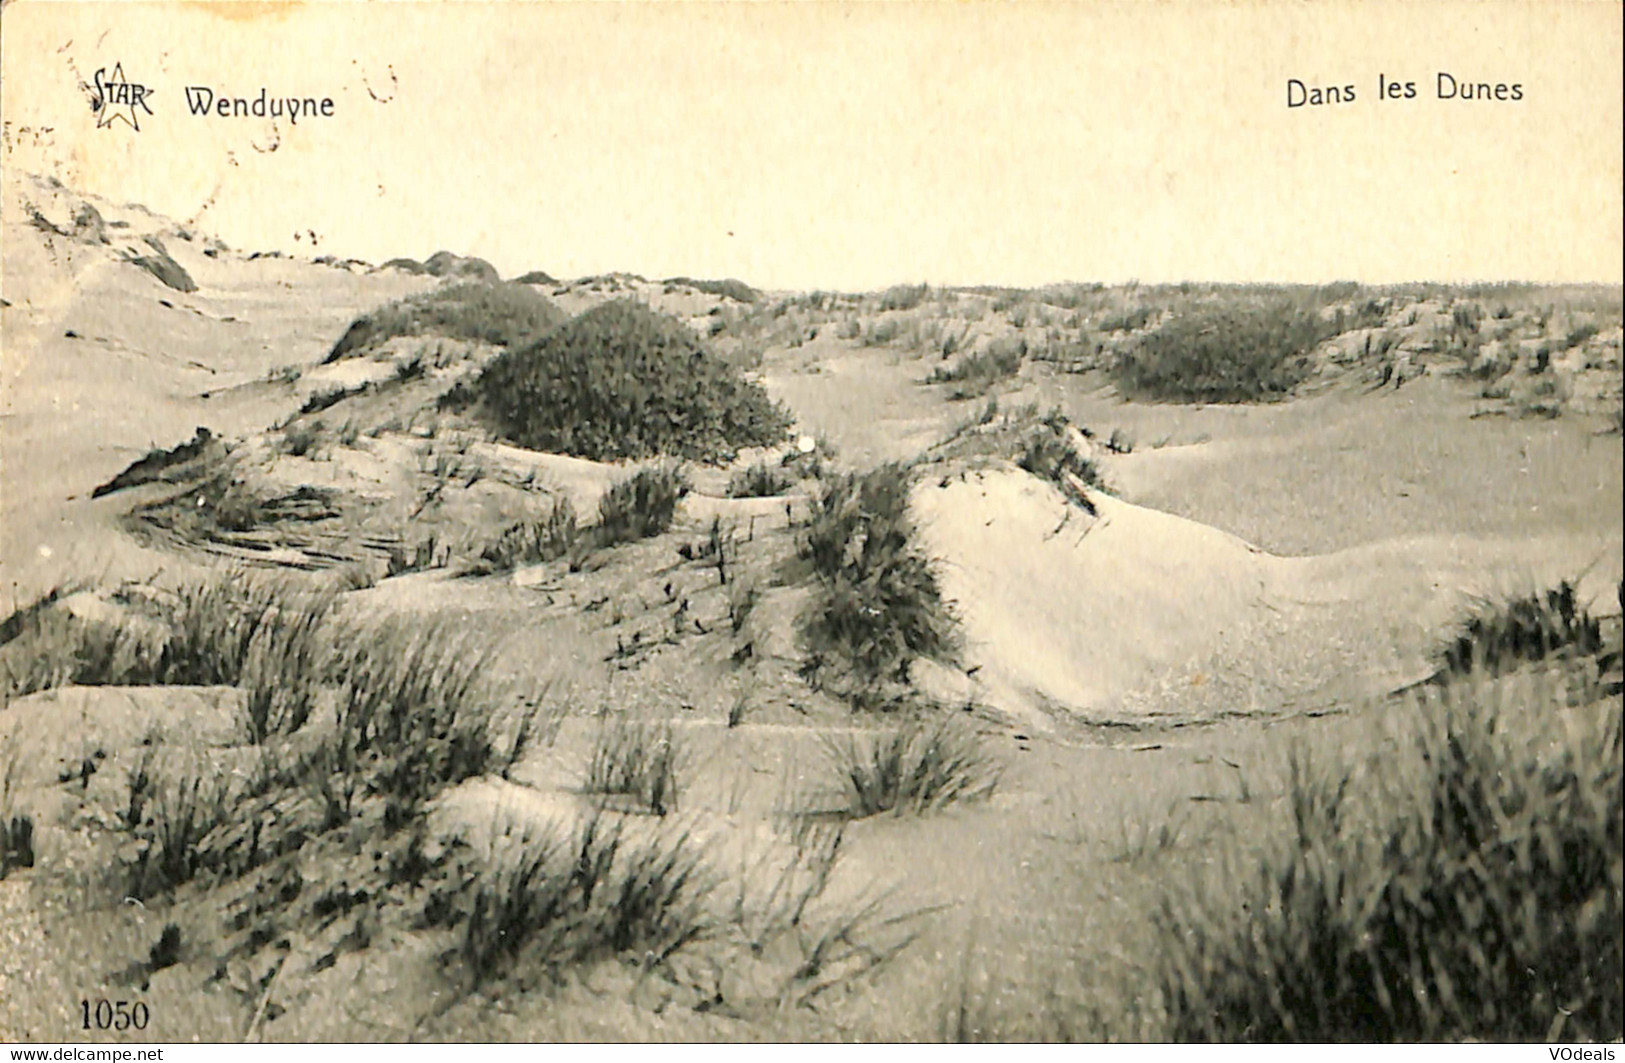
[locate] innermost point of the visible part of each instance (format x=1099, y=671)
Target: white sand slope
x=1137, y=614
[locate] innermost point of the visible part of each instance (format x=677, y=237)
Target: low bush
x=1580, y=334
x=1049, y=451
x=504, y=314
x=903, y=296
x=1230, y=353
x=624, y=382
x=915, y=768
x=877, y=605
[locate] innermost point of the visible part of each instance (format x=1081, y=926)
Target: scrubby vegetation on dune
x=641, y=505
x=637, y=760
x=877, y=606
x=1243, y=352
x=622, y=381
x=16, y=826
x=760, y=480
x=976, y=373
x=505, y=314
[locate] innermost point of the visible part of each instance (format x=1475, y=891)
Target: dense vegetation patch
x=1223, y=353
x=508, y=315
x=878, y=606
x=622, y=381
x=976, y=373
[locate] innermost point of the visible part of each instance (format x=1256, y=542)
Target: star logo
x=117, y=98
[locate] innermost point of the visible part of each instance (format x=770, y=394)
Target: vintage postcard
x=810, y=522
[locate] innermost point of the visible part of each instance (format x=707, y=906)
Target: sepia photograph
x=811, y=523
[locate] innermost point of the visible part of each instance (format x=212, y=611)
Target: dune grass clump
x=640, y=506
x=504, y=314
x=915, y=768
x=552, y=903
x=903, y=296
x=1503, y=635
x=532, y=541
x=1223, y=353
x=265, y=637
x=622, y=381
x=877, y=604
x=169, y=816
x=977, y=373
x=1479, y=900
x=414, y=715
x=760, y=480
x=637, y=760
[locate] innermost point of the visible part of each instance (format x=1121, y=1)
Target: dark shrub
x=877, y=606
x=736, y=290
x=903, y=296
x=1235, y=353
x=507, y=315
x=621, y=381
x=528, y=542
x=1503, y=635
x=1484, y=905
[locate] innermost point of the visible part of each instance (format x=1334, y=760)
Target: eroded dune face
x=1136, y=614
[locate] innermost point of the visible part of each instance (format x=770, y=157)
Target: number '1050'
x=114, y=1014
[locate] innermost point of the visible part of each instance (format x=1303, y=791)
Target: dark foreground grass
x=1464, y=886
x=264, y=636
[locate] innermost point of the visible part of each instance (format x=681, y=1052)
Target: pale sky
x=852, y=146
